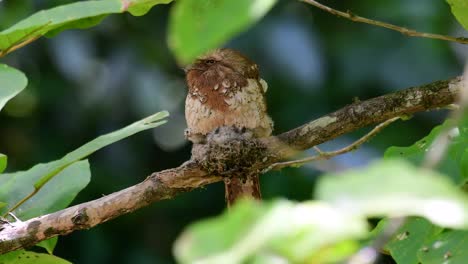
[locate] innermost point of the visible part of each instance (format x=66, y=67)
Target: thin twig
x=402, y=30
x=330, y=154
x=14, y=217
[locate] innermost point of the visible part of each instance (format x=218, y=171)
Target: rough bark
x=228, y=155
x=158, y=186
x=360, y=114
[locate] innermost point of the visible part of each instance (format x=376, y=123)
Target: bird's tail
x=236, y=188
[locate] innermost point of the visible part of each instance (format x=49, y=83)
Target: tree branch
x=360, y=114
x=159, y=186
x=402, y=30
x=228, y=156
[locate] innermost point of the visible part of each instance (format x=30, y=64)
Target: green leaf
x=454, y=163
x=3, y=162
x=410, y=239
x=15, y=186
x=198, y=26
x=65, y=178
x=29, y=257
x=57, y=194
x=449, y=247
x=141, y=7
x=460, y=11
x=48, y=244
x=81, y=14
x=12, y=82
x=396, y=188
x=280, y=229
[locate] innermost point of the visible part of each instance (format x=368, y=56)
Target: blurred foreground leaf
x=257, y=232
x=460, y=11
x=28, y=257
x=410, y=244
x=328, y=231
x=396, y=188
x=82, y=14
x=198, y=26
x=3, y=162
x=12, y=82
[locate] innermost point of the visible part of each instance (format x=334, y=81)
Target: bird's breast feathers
x=226, y=103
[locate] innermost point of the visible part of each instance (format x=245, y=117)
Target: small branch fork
x=190, y=175
x=402, y=30
x=326, y=155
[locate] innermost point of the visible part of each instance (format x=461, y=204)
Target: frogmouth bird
x=225, y=89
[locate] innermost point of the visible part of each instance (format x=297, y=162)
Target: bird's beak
x=190, y=67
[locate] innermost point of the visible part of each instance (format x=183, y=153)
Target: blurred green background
x=84, y=83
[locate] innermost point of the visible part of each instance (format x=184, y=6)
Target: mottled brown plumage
x=224, y=89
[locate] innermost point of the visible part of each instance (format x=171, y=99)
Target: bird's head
x=224, y=60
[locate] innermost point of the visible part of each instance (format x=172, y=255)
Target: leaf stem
x=25, y=40
x=22, y=201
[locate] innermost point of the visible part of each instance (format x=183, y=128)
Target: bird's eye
x=209, y=62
